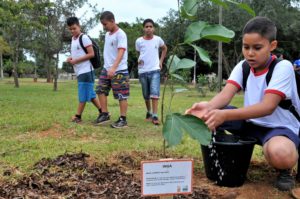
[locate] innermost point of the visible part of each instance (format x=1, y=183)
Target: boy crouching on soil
x=262, y=116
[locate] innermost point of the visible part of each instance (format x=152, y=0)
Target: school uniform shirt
x=77, y=51
x=149, y=53
x=113, y=42
x=282, y=83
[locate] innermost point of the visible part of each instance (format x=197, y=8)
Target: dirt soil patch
x=79, y=176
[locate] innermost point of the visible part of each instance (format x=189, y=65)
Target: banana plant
x=176, y=124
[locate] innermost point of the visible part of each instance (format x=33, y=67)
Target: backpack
x=96, y=60
x=285, y=104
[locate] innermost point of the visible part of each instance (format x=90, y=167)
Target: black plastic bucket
x=228, y=165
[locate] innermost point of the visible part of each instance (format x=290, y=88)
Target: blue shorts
x=150, y=84
x=86, y=87
x=262, y=134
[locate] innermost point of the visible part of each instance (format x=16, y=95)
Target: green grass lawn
x=35, y=123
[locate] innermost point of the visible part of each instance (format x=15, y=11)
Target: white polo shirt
x=113, y=42
x=77, y=51
x=149, y=53
x=282, y=83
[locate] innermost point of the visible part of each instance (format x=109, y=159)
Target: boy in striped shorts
x=114, y=75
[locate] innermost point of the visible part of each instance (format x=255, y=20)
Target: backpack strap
x=285, y=104
x=86, y=52
x=81, y=44
x=246, y=72
x=271, y=69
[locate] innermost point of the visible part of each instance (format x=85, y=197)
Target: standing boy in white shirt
x=115, y=72
x=149, y=66
x=82, y=67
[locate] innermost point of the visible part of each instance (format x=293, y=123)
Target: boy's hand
x=140, y=62
x=214, y=118
x=71, y=61
x=111, y=72
x=199, y=110
x=160, y=64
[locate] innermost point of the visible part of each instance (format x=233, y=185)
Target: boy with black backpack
x=264, y=115
x=82, y=57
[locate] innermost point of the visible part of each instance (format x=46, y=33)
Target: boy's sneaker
x=119, y=124
x=148, y=117
x=76, y=119
x=102, y=118
x=285, y=180
x=155, y=120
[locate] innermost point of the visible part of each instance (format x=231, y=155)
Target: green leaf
x=243, y=6
x=193, y=32
x=218, y=33
x=181, y=64
x=203, y=54
x=220, y=3
x=185, y=64
x=177, y=124
x=178, y=77
x=189, y=9
x=172, y=62
x=199, y=30
x=185, y=15
x=247, y=8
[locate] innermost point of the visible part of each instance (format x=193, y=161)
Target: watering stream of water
x=214, y=155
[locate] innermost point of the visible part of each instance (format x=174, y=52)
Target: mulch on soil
x=72, y=176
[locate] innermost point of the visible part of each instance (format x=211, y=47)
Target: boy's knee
x=281, y=153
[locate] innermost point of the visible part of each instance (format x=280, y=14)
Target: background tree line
x=37, y=27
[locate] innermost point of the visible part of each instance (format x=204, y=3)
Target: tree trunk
x=48, y=69
x=35, y=73
x=1, y=66
x=15, y=63
x=15, y=69
x=56, y=72
x=226, y=65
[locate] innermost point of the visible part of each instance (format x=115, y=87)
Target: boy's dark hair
x=148, y=21
x=263, y=26
x=107, y=15
x=72, y=20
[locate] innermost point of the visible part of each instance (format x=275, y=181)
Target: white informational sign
x=167, y=177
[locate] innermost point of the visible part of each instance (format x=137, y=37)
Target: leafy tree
x=4, y=49
x=54, y=38
x=17, y=27
x=283, y=12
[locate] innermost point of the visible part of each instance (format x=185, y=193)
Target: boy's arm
x=221, y=100
x=295, y=67
x=138, y=55
x=269, y=103
x=112, y=70
x=90, y=54
x=163, y=55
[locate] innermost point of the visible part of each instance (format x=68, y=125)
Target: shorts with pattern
x=119, y=84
